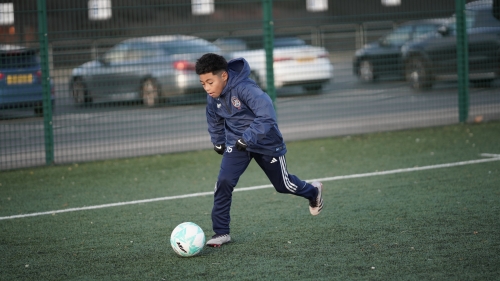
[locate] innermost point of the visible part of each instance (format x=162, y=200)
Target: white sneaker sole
x=316, y=210
x=217, y=242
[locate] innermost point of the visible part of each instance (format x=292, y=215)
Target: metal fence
x=98, y=79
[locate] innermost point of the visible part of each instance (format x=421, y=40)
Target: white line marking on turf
x=493, y=157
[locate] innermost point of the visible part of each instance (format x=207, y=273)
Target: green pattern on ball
x=187, y=239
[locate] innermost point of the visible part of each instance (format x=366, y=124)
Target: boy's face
x=214, y=83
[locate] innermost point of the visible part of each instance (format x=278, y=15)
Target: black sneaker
x=218, y=239
x=316, y=205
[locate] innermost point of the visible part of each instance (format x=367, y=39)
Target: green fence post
x=462, y=61
x=267, y=7
x=47, y=101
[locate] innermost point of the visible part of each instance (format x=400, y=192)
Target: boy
x=242, y=125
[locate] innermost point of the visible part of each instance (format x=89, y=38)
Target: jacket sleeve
x=265, y=116
x=215, y=126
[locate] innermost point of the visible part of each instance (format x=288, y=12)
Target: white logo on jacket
x=236, y=102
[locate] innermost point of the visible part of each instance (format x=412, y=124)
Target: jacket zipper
x=226, y=106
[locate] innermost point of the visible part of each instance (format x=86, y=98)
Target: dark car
x=435, y=58
x=21, y=79
x=383, y=57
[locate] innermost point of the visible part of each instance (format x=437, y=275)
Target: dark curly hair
x=211, y=63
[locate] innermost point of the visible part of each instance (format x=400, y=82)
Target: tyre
x=150, y=92
x=80, y=94
x=38, y=110
x=418, y=74
x=366, y=73
x=482, y=83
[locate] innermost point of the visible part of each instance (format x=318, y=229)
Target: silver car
x=148, y=69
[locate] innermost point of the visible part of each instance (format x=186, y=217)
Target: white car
x=295, y=63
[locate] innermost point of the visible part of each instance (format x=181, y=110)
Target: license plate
x=19, y=79
x=305, y=59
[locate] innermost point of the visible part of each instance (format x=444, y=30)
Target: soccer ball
x=187, y=239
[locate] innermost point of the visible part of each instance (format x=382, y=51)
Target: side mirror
x=443, y=30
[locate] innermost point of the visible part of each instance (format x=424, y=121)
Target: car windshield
x=288, y=42
x=188, y=46
x=117, y=54
x=469, y=21
x=424, y=30
x=16, y=59
x=399, y=36
x=231, y=44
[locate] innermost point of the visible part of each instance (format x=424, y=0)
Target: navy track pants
x=234, y=163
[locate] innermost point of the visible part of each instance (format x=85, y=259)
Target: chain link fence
x=98, y=79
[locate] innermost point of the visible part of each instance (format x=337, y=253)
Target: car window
x=189, y=46
x=17, y=59
x=399, y=36
x=483, y=18
x=470, y=18
x=231, y=44
x=469, y=21
x=116, y=54
x=288, y=42
x=141, y=52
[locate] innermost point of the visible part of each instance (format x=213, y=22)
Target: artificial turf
x=435, y=224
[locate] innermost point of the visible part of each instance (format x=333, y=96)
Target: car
x=146, y=69
x=383, y=57
x=21, y=79
x=294, y=63
x=435, y=58
x=229, y=45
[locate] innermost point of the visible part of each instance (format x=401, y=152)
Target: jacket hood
x=238, y=70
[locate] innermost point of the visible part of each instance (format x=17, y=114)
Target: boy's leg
x=234, y=163
x=276, y=170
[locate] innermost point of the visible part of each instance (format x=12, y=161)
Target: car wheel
x=482, y=83
x=38, y=110
x=80, y=94
x=150, y=92
x=366, y=73
x=418, y=74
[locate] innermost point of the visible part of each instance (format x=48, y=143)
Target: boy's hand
x=241, y=145
x=220, y=148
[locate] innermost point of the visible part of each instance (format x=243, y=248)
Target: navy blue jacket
x=244, y=110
